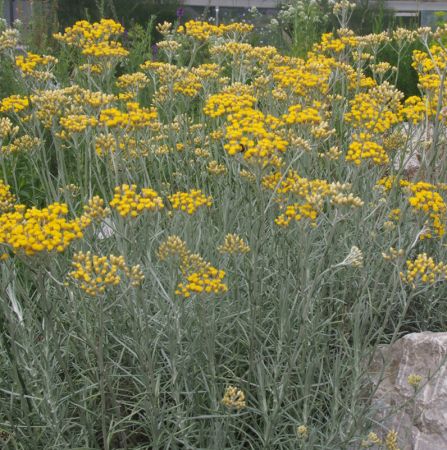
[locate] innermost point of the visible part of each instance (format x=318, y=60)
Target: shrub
x=205, y=249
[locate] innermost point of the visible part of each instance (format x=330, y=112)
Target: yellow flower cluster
x=95, y=210
x=391, y=440
x=302, y=431
x=237, y=28
x=170, y=47
x=200, y=276
x=173, y=247
x=207, y=71
x=129, y=146
x=9, y=39
x=425, y=198
x=76, y=123
x=415, y=109
x=91, y=68
x=389, y=443
x=298, y=114
x=371, y=114
x=297, y=212
x=376, y=110
x=245, y=54
x=382, y=68
x=105, y=50
x=7, y=128
x=214, y=168
x=233, y=244
x=227, y=103
x=393, y=254
x=254, y=134
x=394, y=215
x=356, y=79
x=190, y=85
x=205, y=281
x=167, y=73
x=83, y=32
x=237, y=50
x=303, y=77
x=311, y=196
x=7, y=198
x=95, y=273
x=430, y=202
x=190, y=201
x=425, y=270
x=36, y=230
x=25, y=143
x=132, y=81
x=333, y=44
x=430, y=66
x=364, y=149
x=387, y=183
x=14, y=103
x=199, y=30
x=129, y=203
x=50, y=105
x=180, y=80
x=95, y=39
x=94, y=99
x=203, y=31
x=373, y=439
x=136, y=117
x=414, y=380
x=234, y=398
x=164, y=28
x=34, y=65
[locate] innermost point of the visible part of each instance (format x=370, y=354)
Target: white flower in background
x=354, y=258
x=254, y=12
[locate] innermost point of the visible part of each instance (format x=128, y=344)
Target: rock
x=105, y=231
x=415, y=138
x=418, y=414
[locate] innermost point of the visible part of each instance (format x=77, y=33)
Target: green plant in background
x=379, y=16
x=137, y=16
x=371, y=17
x=140, y=41
x=267, y=30
x=124, y=11
x=9, y=83
x=304, y=21
x=406, y=77
x=440, y=17
x=42, y=25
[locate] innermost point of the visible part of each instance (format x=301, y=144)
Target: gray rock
x=105, y=231
x=418, y=414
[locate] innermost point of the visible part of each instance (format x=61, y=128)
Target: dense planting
x=205, y=253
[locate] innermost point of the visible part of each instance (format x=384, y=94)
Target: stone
x=417, y=412
x=409, y=158
x=105, y=231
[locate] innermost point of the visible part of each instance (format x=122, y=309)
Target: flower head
x=234, y=398
x=354, y=258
